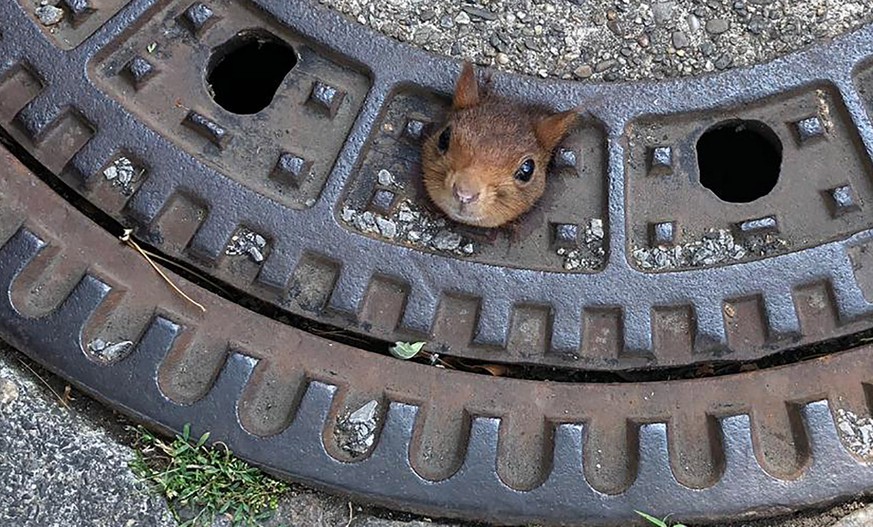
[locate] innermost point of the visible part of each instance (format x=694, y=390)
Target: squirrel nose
x=463, y=195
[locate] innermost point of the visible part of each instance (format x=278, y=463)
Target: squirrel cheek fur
x=487, y=165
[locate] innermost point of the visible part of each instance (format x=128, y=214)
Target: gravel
x=356, y=432
x=856, y=432
x=713, y=248
x=590, y=254
x=861, y=518
x=411, y=225
x=613, y=40
x=108, y=352
x=247, y=242
x=123, y=175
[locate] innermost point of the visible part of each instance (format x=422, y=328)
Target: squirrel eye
x=443, y=143
x=525, y=171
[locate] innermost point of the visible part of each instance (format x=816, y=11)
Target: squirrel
x=487, y=164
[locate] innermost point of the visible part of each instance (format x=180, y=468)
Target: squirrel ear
x=550, y=130
x=467, y=89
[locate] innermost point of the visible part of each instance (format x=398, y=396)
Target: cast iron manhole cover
x=670, y=322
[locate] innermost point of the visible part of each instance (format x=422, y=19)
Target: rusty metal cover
x=659, y=251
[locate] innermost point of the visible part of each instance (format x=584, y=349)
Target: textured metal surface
x=347, y=110
x=116, y=101
x=447, y=443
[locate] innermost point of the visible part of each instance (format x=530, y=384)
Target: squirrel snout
x=464, y=195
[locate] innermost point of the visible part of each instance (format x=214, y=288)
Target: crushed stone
x=123, y=175
x=109, y=351
x=717, y=246
x=356, y=432
x=856, y=432
x=411, y=225
x=590, y=254
x=49, y=15
x=616, y=40
x=247, y=242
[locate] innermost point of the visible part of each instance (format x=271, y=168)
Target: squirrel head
x=487, y=164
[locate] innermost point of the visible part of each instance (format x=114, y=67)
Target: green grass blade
x=652, y=519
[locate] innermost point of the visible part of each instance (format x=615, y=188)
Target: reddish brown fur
x=490, y=139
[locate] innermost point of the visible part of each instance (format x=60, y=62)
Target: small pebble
x=532, y=44
x=49, y=15
x=717, y=26
x=385, y=178
x=723, y=62
x=387, y=228
x=484, y=14
x=605, y=65
x=8, y=392
x=662, y=11
x=583, y=72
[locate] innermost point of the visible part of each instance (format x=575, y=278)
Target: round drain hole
x=246, y=71
x=739, y=160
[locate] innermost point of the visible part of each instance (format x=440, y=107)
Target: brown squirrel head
x=487, y=164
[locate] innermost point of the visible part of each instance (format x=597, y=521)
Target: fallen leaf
x=497, y=370
x=406, y=350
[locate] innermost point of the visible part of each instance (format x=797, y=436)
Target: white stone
x=385, y=178
x=49, y=15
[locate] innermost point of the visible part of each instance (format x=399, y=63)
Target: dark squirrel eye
x=525, y=171
x=445, y=137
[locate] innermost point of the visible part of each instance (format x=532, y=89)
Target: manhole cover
x=669, y=323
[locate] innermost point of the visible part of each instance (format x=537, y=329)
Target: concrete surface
x=861, y=518
x=66, y=465
x=612, y=40
x=62, y=467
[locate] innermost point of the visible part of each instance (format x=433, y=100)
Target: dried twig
x=175, y=266
x=129, y=241
x=45, y=382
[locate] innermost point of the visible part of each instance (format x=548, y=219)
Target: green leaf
x=202, y=440
x=186, y=431
x=406, y=350
x=652, y=519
